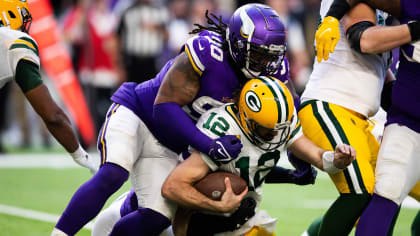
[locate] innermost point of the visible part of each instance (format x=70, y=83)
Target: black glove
x=206, y=224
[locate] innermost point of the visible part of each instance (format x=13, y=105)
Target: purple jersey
x=217, y=84
x=405, y=107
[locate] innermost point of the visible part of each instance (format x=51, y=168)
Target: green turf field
x=47, y=190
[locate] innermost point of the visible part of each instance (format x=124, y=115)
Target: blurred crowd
x=112, y=41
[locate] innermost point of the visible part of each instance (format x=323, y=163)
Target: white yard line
x=35, y=215
x=54, y=161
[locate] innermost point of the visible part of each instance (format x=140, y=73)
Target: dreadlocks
x=218, y=27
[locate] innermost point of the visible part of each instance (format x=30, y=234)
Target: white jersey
x=253, y=163
x=14, y=46
x=349, y=78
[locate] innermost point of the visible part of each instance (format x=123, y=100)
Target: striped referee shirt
x=137, y=37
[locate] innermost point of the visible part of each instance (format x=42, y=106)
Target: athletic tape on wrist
x=328, y=162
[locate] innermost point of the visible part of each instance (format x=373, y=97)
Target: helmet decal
x=248, y=26
x=252, y=101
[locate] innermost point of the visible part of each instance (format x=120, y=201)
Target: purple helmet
x=257, y=39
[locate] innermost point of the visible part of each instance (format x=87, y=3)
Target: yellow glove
x=327, y=37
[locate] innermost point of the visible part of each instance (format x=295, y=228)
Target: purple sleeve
x=198, y=51
x=173, y=123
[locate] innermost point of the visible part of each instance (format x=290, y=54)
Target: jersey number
x=259, y=176
x=219, y=126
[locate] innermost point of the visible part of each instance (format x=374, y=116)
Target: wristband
x=414, y=28
x=328, y=162
x=77, y=153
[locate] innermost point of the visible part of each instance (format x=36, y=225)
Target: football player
x=21, y=64
x=150, y=123
x=267, y=123
x=395, y=171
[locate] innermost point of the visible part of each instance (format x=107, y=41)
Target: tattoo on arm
x=181, y=83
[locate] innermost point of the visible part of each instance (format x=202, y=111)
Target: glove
x=305, y=177
x=245, y=211
x=225, y=149
x=81, y=157
x=304, y=173
x=327, y=37
x=199, y=221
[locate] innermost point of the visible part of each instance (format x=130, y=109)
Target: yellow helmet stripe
x=276, y=93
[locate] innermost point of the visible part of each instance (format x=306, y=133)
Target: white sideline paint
x=35, y=215
x=44, y=160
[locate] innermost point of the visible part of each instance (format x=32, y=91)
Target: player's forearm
x=186, y=195
x=306, y=150
x=380, y=39
x=62, y=131
x=184, y=130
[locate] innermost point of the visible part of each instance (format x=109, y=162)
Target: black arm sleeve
x=354, y=33
x=338, y=9
x=280, y=175
x=414, y=27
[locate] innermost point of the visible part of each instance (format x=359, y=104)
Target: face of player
x=265, y=134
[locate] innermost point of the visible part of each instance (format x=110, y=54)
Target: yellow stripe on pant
x=327, y=125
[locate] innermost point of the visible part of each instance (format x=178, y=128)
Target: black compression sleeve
x=27, y=75
x=338, y=9
x=280, y=175
x=354, y=33
x=414, y=27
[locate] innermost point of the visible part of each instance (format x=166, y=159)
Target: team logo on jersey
x=252, y=101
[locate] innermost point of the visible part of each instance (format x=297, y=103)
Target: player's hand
x=327, y=37
x=81, y=157
x=230, y=202
x=225, y=149
x=245, y=211
x=343, y=155
x=305, y=177
x=304, y=173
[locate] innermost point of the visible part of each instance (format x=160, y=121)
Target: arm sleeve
x=279, y=175
x=27, y=75
x=183, y=130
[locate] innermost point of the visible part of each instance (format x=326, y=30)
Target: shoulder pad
x=23, y=47
x=203, y=50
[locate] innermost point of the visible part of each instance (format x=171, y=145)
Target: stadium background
x=78, y=46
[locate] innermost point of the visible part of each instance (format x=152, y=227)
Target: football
x=213, y=184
